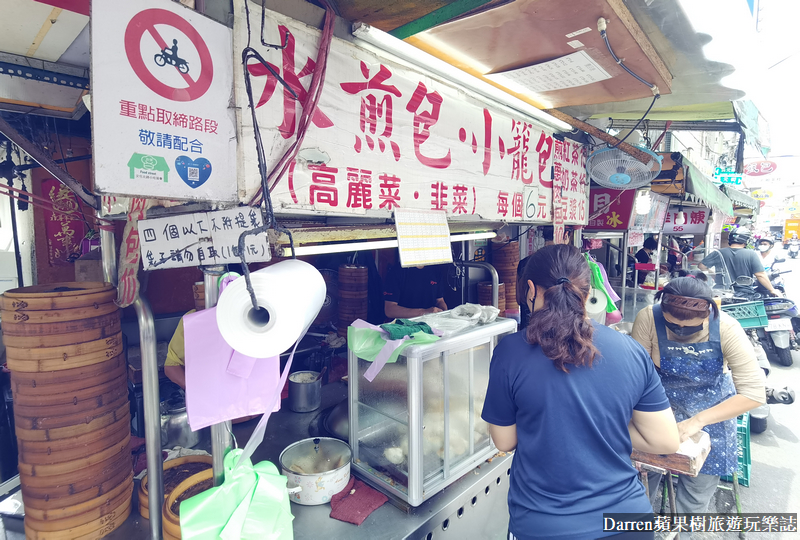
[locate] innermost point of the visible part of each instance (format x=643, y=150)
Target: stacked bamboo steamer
x=485, y=295
x=71, y=410
x=353, y=295
x=505, y=259
x=199, y=291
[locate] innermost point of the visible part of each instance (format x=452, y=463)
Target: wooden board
x=687, y=460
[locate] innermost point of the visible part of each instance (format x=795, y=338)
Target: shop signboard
x=610, y=209
x=205, y=238
x=760, y=168
x=162, y=76
x=386, y=136
x=696, y=220
x=569, y=167
x=728, y=176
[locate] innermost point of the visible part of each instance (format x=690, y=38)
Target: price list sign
x=423, y=237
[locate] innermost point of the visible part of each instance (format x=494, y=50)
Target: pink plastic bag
x=222, y=384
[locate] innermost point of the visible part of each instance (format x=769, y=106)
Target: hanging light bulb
x=680, y=219
x=643, y=203
x=710, y=217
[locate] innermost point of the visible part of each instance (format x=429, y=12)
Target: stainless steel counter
x=474, y=507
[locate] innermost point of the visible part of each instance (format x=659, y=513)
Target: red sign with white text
x=760, y=168
x=610, y=209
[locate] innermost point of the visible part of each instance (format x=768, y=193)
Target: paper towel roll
x=596, y=303
x=291, y=291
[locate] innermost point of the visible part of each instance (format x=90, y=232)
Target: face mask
x=763, y=248
x=683, y=331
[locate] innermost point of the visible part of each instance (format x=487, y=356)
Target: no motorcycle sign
x=162, y=79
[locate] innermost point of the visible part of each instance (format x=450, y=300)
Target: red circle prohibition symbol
x=146, y=21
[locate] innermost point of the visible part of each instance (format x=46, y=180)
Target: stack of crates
x=743, y=440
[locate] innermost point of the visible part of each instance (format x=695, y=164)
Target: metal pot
x=175, y=430
x=319, y=466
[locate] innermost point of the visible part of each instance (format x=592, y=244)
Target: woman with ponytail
x=573, y=398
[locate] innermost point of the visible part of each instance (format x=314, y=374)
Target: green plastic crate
x=745, y=461
x=749, y=314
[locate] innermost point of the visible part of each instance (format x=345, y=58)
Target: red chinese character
x=127, y=286
x=667, y=219
x=751, y=168
x=438, y=196
x=573, y=183
x=359, y=188
x=459, y=199
x=373, y=109
x=132, y=244
x=390, y=192
x=487, y=140
x=323, y=185
x=127, y=108
x=575, y=154
x=292, y=78
x=542, y=211
x=516, y=205
x=766, y=167
x=558, y=153
x=582, y=180
x=146, y=113
x=697, y=218
x=545, y=148
x=196, y=123
x=573, y=210
x=180, y=120
x=163, y=116
x=209, y=126
x=558, y=172
x=583, y=157
x=502, y=203
x=519, y=167
x=582, y=210
x=425, y=120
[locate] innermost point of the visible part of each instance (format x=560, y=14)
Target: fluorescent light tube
x=286, y=251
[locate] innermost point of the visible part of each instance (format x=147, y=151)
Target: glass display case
x=416, y=428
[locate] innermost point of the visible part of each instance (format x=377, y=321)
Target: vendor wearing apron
x=709, y=370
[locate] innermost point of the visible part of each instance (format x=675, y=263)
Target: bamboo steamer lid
x=80, y=508
x=57, y=296
x=64, y=351
x=57, y=340
x=75, y=481
x=57, y=315
x=86, y=404
x=94, y=530
x=66, y=380
x=106, y=506
x=171, y=521
x=65, y=467
x=48, y=500
x=59, y=452
x=73, y=430
x=57, y=328
x=107, y=382
x=347, y=286
x=57, y=364
x=47, y=422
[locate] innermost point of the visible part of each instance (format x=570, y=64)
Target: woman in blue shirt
x=572, y=397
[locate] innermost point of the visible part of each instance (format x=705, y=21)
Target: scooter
x=794, y=249
x=777, y=336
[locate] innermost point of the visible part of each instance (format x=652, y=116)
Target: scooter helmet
x=740, y=236
x=766, y=240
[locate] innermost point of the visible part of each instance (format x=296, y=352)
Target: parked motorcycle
x=794, y=249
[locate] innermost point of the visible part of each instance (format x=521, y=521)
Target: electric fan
x=612, y=168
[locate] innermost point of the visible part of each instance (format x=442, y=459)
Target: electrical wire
x=639, y=122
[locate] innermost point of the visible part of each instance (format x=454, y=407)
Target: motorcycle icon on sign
x=169, y=55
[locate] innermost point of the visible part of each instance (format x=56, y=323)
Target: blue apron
x=693, y=377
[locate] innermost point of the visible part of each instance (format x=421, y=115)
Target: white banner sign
x=696, y=221
x=206, y=238
x=162, y=77
x=384, y=136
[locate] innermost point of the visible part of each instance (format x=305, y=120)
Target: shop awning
x=700, y=189
x=682, y=177
x=741, y=200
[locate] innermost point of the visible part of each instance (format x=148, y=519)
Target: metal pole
x=221, y=442
x=495, y=278
x=152, y=416
x=152, y=413
x=15, y=234
x=624, y=288
x=658, y=260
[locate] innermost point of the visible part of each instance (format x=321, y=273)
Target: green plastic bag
x=599, y=283
x=251, y=504
x=367, y=343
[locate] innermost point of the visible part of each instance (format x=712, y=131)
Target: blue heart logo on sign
x=194, y=172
